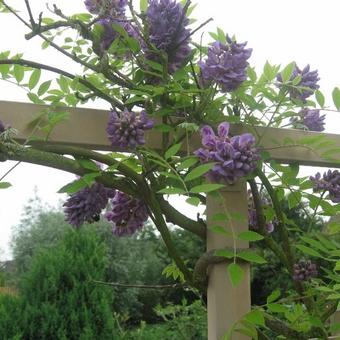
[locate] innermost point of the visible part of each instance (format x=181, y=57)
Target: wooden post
x=335, y=319
x=227, y=304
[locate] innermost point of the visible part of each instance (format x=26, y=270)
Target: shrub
x=10, y=312
x=59, y=298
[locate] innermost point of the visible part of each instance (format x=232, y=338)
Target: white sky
x=280, y=31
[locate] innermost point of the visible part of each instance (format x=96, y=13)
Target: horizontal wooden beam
x=87, y=128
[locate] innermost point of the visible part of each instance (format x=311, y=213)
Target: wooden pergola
x=226, y=304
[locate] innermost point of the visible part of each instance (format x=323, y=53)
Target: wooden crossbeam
x=86, y=127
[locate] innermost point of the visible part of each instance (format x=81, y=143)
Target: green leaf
x=314, y=243
x=269, y=71
x=336, y=97
x=219, y=230
x=206, y=188
x=274, y=296
x=82, y=16
x=320, y=98
x=220, y=217
x=73, y=187
x=34, y=78
x=34, y=98
x=19, y=73
x=236, y=274
x=327, y=243
x=251, y=74
x=308, y=250
x=337, y=266
x=246, y=328
x=89, y=179
x=172, y=151
x=221, y=36
x=189, y=126
x=333, y=296
x=169, y=174
x=71, y=99
x=277, y=308
x=45, y=44
x=154, y=65
x=287, y=72
x=297, y=80
x=172, y=191
x=308, y=184
x=294, y=198
x=190, y=10
x=213, y=35
x=199, y=171
x=325, y=289
x=256, y=317
x=143, y=5
x=87, y=164
x=5, y=185
x=193, y=201
x=44, y=87
x=4, y=70
x=249, y=235
x=187, y=163
x=335, y=253
x=250, y=256
x=333, y=227
x=63, y=83
x=224, y=253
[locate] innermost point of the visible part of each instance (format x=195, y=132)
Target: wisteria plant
x=147, y=62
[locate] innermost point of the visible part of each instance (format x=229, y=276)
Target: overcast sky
x=305, y=31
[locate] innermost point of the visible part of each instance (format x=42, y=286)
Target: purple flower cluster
x=330, y=181
x=168, y=32
x=111, y=12
x=308, y=83
x=127, y=214
x=304, y=270
x=107, y=8
x=126, y=129
x=226, y=65
x=252, y=218
x=311, y=119
x=110, y=34
x=235, y=157
x=87, y=204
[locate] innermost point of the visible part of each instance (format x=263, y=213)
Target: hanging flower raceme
x=107, y=8
x=87, y=204
x=128, y=214
x=126, y=129
x=252, y=218
x=311, y=119
x=330, y=181
x=308, y=83
x=168, y=32
x=226, y=65
x=235, y=157
x=109, y=34
x=304, y=270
